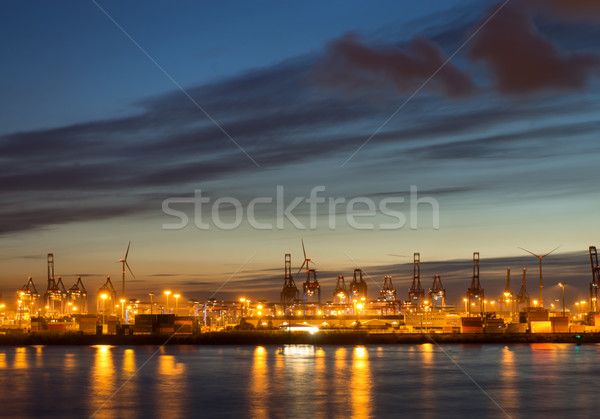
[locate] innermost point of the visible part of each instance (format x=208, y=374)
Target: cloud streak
x=350, y=63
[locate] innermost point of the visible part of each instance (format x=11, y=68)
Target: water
x=421, y=381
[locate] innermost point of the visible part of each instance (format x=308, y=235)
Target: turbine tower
x=540, y=259
x=125, y=264
x=311, y=286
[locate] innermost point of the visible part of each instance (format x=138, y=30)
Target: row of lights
x=104, y=297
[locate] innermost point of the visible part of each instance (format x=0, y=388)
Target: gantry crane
x=507, y=296
x=523, y=296
x=595, y=284
x=475, y=291
x=77, y=296
x=358, y=286
x=289, y=293
x=107, y=295
x=27, y=297
x=437, y=291
x=416, y=294
x=311, y=287
x=340, y=293
x=55, y=292
x=388, y=292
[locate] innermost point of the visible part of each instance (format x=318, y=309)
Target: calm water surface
x=422, y=381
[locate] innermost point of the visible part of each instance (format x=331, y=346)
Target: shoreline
x=282, y=338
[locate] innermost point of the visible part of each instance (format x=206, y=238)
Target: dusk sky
x=96, y=132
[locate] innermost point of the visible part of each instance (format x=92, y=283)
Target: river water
x=412, y=381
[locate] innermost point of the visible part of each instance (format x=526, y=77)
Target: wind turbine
x=540, y=259
x=124, y=263
x=311, y=286
x=306, y=262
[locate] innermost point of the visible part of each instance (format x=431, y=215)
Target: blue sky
x=93, y=137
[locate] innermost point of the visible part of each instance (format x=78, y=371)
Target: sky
x=117, y=115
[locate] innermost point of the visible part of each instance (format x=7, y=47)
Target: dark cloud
x=351, y=64
x=568, y=9
x=522, y=60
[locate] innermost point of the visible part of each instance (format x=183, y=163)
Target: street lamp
x=242, y=301
x=167, y=293
x=560, y=284
x=104, y=297
x=176, y=303
x=123, y=308
x=151, y=303
x=465, y=301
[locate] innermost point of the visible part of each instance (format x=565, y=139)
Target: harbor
x=350, y=316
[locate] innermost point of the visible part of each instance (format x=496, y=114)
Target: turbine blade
x=303, y=250
x=130, y=271
x=551, y=251
x=127, y=252
x=531, y=253
x=301, y=266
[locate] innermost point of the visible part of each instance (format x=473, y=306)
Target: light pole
x=123, y=309
x=151, y=303
x=167, y=293
x=560, y=284
x=176, y=303
x=104, y=297
x=466, y=301
x=242, y=301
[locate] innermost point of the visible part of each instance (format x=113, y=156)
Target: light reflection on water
x=102, y=380
x=360, y=383
x=171, y=389
x=538, y=381
x=259, y=384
